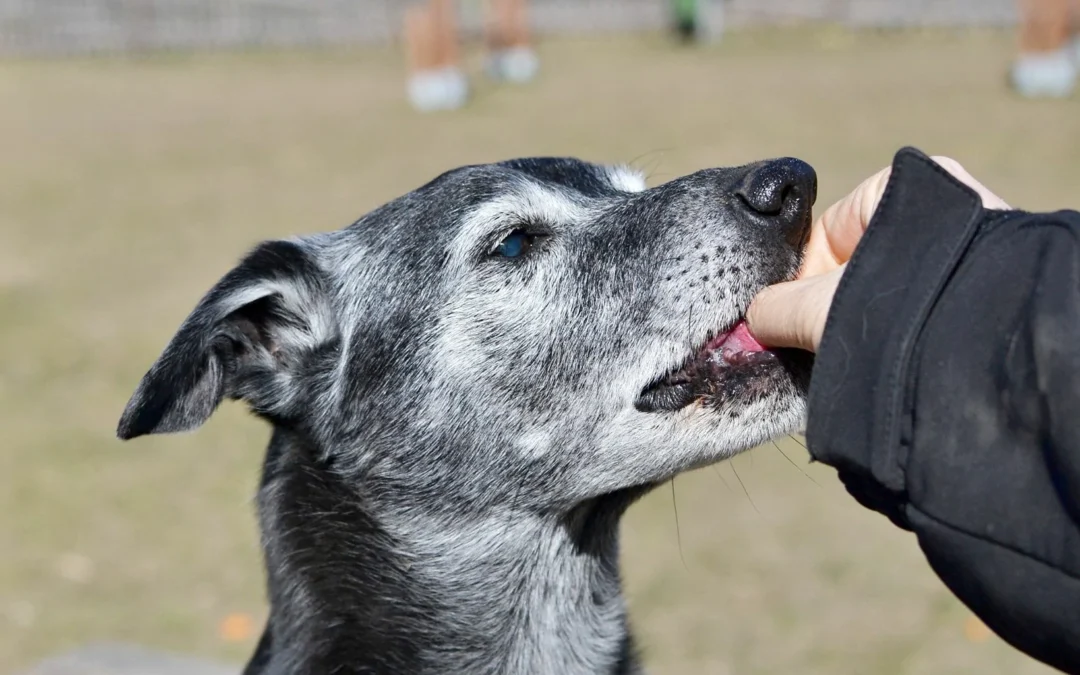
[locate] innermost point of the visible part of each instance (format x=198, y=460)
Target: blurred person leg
x=455, y=84
x=1046, y=65
x=1074, y=30
x=512, y=57
x=434, y=83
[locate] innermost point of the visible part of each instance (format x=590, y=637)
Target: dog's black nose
x=782, y=190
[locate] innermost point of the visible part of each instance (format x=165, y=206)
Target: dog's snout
x=782, y=190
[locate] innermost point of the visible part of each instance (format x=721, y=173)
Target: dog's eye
x=515, y=244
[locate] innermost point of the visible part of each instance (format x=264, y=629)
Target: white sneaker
x=455, y=87
x=441, y=89
x=516, y=64
x=1050, y=75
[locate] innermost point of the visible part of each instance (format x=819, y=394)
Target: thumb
x=793, y=314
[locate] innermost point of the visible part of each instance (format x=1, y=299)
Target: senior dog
x=469, y=385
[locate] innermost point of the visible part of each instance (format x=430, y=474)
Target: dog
x=467, y=388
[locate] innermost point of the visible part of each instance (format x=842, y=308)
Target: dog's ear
x=246, y=339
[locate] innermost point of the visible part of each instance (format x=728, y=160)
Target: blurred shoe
x=455, y=87
x=441, y=89
x=516, y=64
x=1045, y=75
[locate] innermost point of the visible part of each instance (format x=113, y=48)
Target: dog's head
x=544, y=330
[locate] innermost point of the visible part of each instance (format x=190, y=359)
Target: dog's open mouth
x=719, y=370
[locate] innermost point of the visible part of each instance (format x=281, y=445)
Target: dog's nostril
x=784, y=190
x=751, y=205
x=788, y=190
x=772, y=185
x=763, y=199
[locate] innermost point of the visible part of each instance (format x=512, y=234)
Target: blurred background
x=146, y=144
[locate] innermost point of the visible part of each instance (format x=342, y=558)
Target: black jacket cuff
x=856, y=423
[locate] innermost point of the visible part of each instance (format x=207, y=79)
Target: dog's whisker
x=678, y=531
x=657, y=151
x=721, y=477
x=797, y=441
x=743, y=485
x=513, y=505
x=650, y=172
x=690, y=329
x=792, y=462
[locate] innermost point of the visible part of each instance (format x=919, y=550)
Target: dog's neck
x=359, y=588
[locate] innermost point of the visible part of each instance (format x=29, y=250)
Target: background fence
x=56, y=27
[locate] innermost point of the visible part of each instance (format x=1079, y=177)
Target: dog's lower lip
x=665, y=398
x=734, y=349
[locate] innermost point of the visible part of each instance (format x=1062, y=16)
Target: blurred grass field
x=127, y=187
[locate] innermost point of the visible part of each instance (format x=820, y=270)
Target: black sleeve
x=946, y=392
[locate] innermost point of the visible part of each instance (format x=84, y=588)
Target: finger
x=778, y=316
x=793, y=314
x=989, y=199
x=836, y=233
x=770, y=317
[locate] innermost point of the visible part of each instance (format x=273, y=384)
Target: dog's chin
x=730, y=371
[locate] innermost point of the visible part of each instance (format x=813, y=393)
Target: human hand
x=793, y=314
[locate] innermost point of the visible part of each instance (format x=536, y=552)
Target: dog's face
x=542, y=330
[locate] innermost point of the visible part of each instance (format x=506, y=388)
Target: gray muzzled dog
x=469, y=385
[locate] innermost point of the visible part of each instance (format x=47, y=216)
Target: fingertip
x=771, y=318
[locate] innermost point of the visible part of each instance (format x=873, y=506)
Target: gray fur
x=456, y=433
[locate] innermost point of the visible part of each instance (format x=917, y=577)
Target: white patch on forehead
x=533, y=444
x=626, y=178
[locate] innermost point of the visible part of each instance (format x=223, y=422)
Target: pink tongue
x=740, y=340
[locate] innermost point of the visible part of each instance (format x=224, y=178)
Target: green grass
x=127, y=187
